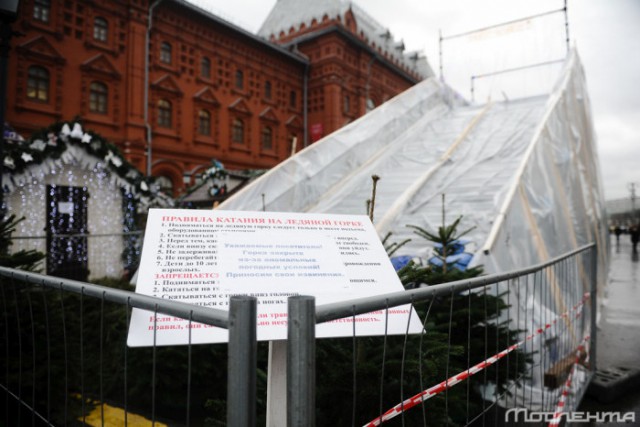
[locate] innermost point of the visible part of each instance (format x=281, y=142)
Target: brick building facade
x=175, y=86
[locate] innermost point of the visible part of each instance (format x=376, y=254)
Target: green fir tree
x=461, y=330
x=22, y=260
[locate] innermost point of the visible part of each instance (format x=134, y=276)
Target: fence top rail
x=210, y=316
x=338, y=310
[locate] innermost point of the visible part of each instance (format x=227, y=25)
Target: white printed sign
x=203, y=257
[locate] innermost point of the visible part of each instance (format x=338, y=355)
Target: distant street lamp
x=8, y=15
x=632, y=189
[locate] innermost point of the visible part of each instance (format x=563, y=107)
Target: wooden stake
x=375, y=179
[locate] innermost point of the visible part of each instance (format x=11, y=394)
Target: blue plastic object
x=400, y=261
x=455, y=247
x=459, y=261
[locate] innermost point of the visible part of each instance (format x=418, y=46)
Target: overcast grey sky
x=606, y=33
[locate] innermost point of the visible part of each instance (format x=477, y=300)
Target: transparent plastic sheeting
x=524, y=173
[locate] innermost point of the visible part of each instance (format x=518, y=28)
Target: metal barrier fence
x=65, y=359
x=523, y=342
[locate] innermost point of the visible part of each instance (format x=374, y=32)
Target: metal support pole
x=147, y=125
x=243, y=349
x=566, y=26
x=301, y=362
x=593, y=341
x=632, y=190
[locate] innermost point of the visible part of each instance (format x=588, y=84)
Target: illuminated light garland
x=64, y=143
x=81, y=159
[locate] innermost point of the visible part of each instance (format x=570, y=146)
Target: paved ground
x=618, y=342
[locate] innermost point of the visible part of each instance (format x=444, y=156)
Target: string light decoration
x=65, y=180
x=57, y=143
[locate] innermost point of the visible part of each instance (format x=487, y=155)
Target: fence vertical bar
x=301, y=362
x=243, y=349
x=594, y=308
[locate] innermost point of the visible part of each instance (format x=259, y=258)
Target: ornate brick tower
x=355, y=64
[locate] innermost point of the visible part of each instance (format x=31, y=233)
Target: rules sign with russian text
x=204, y=257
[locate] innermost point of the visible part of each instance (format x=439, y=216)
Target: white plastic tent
x=524, y=173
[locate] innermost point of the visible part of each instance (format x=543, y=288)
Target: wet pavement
x=618, y=338
x=619, y=328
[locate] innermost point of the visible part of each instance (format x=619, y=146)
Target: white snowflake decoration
x=38, y=145
x=8, y=162
x=77, y=131
x=26, y=157
x=132, y=174
x=115, y=160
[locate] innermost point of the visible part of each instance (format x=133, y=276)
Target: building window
x=292, y=99
x=100, y=29
x=239, y=79
x=237, y=131
x=267, y=138
x=42, y=10
x=205, y=68
x=204, y=122
x=267, y=89
x=38, y=84
x=347, y=104
x=165, y=53
x=164, y=114
x=98, y=96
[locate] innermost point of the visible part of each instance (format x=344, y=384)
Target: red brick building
x=175, y=86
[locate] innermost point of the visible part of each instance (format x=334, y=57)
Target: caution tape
x=557, y=415
x=446, y=384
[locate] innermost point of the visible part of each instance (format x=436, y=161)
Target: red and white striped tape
x=439, y=388
x=557, y=415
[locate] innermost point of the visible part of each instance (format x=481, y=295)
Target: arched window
x=204, y=122
x=164, y=113
x=38, y=83
x=100, y=29
x=205, y=67
x=267, y=89
x=267, y=138
x=41, y=10
x=165, y=53
x=239, y=79
x=237, y=131
x=98, y=98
